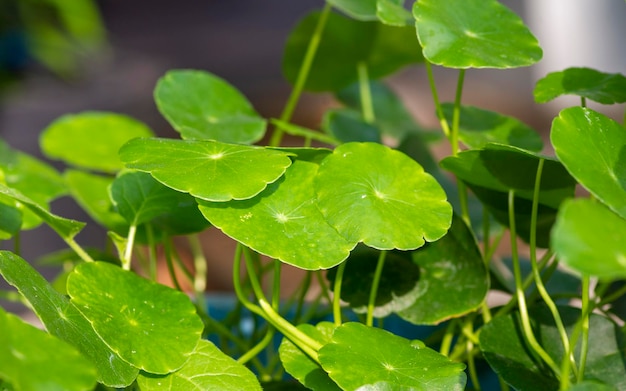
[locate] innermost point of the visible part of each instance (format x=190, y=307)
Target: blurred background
x=124, y=46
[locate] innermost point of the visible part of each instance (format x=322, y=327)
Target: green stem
x=469, y=347
x=258, y=348
x=130, y=243
x=79, y=250
x=276, y=286
x=17, y=243
x=337, y=293
x=519, y=292
x=303, y=74
x=167, y=247
x=431, y=81
x=374, y=290
x=199, y=264
x=446, y=341
x=152, y=259
x=456, y=114
x=586, y=311
x=367, y=107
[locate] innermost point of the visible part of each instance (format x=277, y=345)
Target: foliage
x=372, y=224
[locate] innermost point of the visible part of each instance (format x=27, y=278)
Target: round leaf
x=283, y=222
x=207, y=369
x=473, y=34
x=91, y=139
x=359, y=356
x=593, y=149
x=149, y=325
x=591, y=239
x=372, y=194
x=209, y=166
x=606, y=88
x=200, y=105
x=348, y=125
x=35, y=360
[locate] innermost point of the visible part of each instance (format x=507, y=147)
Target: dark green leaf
x=474, y=34
x=347, y=125
x=10, y=222
x=359, y=356
x=91, y=140
x=200, y=105
x=606, y=88
x=151, y=326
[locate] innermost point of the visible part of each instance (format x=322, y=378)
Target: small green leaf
x=200, y=105
x=301, y=366
x=453, y=279
x=206, y=369
x=64, y=321
x=473, y=34
x=479, y=127
x=592, y=147
x=591, y=239
x=347, y=125
x=91, y=140
x=392, y=12
x=10, y=222
x=151, y=326
x=605, y=88
x=35, y=360
x=364, y=10
x=283, y=222
x=361, y=356
x=346, y=43
x=372, y=194
x=210, y=166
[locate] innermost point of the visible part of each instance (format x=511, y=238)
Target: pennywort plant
x=384, y=232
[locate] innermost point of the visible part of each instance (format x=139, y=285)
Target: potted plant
x=362, y=206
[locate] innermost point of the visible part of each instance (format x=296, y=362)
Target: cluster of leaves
x=377, y=219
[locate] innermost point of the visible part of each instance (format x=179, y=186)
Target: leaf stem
x=367, y=107
x=303, y=74
x=433, y=88
x=130, y=243
x=456, y=113
x=585, y=313
x=374, y=290
x=337, y=293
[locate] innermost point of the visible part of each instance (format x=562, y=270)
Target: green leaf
x=507, y=352
x=301, y=366
x=210, y=166
x=347, y=125
x=90, y=140
x=398, y=287
x=372, y=194
x=10, y=222
x=479, y=127
x=346, y=43
x=361, y=356
x=591, y=385
x=364, y=10
x=392, y=12
x=64, y=321
x=473, y=34
x=593, y=149
x=453, y=279
x=151, y=326
x=206, y=369
x=283, y=222
x=35, y=360
x=591, y=239
x=601, y=87
x=200, y=105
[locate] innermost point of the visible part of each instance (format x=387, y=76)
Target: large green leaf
x=479, y=127
x=151, y=326
x=209, y=166
x=346, y=43
x=200, y=105
x=381, y=197
x=505, y=348
x=473, y=34
x=283, y=222
x=591, y=239
x=63, y=320
x=606, y=88
x=360, y=356
x=91, y=140
x=301, y=366
x=32, y=359
x=592, y=147
x=453, y=278
x=206, y=369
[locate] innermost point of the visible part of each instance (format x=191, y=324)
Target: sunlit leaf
x=359, y=356
x=592, y=147
x=209, y=166
x=372, y=194
x=151, y=326
x=91, y=140
x=35, y=360
x=474, y=34
x=392, y=12
x=606, y=88
x=200, y=105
